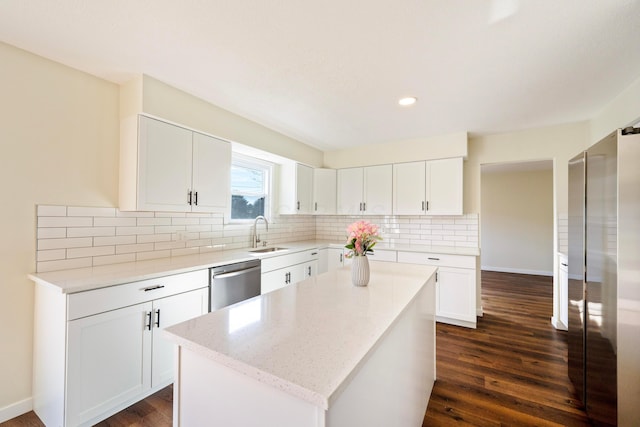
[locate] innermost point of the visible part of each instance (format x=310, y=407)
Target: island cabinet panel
x=98, y=351
x=385, y=382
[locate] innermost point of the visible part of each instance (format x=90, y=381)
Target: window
x=250, y=185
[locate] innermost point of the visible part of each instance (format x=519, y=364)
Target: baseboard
x=517, y=270
x=558, y=324
x=479, y=312
x=16, y=409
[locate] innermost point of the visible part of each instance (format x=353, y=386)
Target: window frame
x=243, y=160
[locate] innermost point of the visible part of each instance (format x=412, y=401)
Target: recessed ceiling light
x=408, y=101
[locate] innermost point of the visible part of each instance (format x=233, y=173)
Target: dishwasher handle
x=235, y=273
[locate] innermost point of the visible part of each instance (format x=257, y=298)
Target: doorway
x=516, y=219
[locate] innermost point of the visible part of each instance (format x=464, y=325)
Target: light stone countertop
x=85, y=279
x=307, y=339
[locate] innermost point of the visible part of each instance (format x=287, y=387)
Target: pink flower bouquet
x=362, y=237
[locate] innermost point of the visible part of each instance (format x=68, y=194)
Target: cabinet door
x=349, y=195
x=409, y=180
x=324, y=191
x=304, y=189
x=303, y=271
x=211, y=173
x=164, y=166
x=444, y=186
x=108, y=361
x=323, y=260
x=378, y=189
x=336, y=258
x=274, y=280
x=168, y=312
x=456, y=294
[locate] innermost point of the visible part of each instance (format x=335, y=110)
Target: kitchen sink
x=267, y=250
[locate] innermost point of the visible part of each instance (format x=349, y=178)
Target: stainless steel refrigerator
x=604, y=278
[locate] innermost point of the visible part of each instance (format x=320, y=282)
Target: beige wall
x=437, y=147
x=517, y=221
x=59, y=131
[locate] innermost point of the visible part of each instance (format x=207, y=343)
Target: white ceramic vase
x=360, y=271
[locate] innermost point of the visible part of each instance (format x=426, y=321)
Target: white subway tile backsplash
x=127, y=231
x=101, y=236
x=91, y=231
x=113, y=259
x=142, y=256
x=115, y=222
x=63, y=264
x=136, y=247
x=153, y=221
x=51, y=255
x=78, y=242
x=161, y=229
x=152, y=238
x=52, y=233
x=64, y=221
x=134, y=214
x=90, y=252
x=49, y=210
x=169, y=245
x=80, y=211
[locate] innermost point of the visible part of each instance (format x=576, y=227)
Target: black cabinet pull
x=434, y=259
x=153, y=288
x=340, y=257
x=427, y=205
x=565, y=265
x=309, y=271
x=148, y=325
x=195, y=196
x=423, y=205
x=189, y=197
x=298, y=205
x=316, y=206
x=158, y=318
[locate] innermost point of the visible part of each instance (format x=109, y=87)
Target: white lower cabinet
x=455, y=285
x=114, y=353
x=288, y=269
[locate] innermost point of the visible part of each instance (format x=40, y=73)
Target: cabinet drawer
x=286, y=260
x=96, y=301
x=383, y=255
x=438, y=260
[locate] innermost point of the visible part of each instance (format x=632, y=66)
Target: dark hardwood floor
x=511, y=371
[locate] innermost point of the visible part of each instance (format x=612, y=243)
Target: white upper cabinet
x=434, y=187
x=164, y=167
x=349, y=194
x=324, y=191
x=296, y=189
x=365, y=191
x=444, y=187
x=211, y=174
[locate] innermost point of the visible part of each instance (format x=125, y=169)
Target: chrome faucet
x=256, y=236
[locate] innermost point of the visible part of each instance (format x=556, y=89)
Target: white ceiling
x=329, y=73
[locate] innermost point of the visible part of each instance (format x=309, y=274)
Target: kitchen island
x=318, y=353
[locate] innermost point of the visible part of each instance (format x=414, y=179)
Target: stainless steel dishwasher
x=233, y=283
